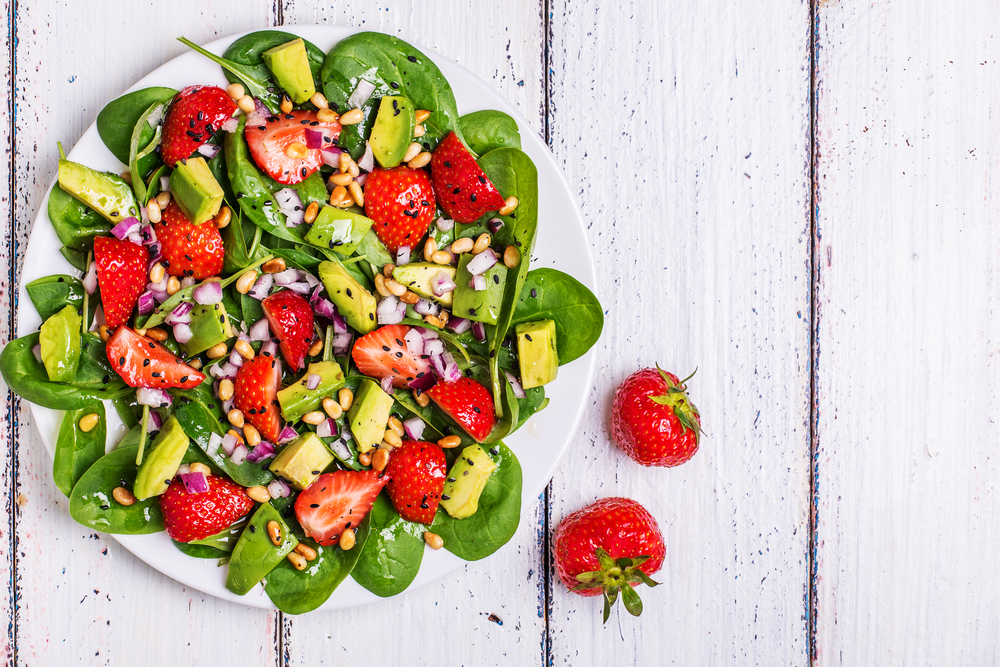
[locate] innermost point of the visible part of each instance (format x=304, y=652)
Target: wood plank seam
x=812, y=560
x=547, y=565
x=13, y=401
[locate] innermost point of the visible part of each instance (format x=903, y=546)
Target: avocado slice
x=297, y=399
x=60, y=342
x=161, y=464
x=254, y=555
x=393, y=130
x=417, y=277
x=482, y=305
x=353, y=301
x=466, y=481
x=369, y=415
x=209, y=326
x=107, y=194
x=195, y=190
x=302, y=460
x=338, y=229
x=536, y=352
x=289, y=64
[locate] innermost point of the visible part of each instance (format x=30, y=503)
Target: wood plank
x=684, y=127
x=906, y=376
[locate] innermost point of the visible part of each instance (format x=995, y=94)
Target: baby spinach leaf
x=489, y=129
x=549, y=294
x=75, y=223
x=92, y=504
x=200, y=550
x=76, y=450
x=391, y=556
x=126, y=409
x=141, y=151
x=118, y=119
x=51, y=294
x=76, y=258
x=257, y=83
x=247, y=52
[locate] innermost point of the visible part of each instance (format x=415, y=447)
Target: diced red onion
x=445, y=224
x=437, y=363
x=426, y=307
x=183, y=333
x=183, y=468
x=290, y=204
x=278, y=489
x=155, y=422
x=331, y=157
x=264, y=450
x=239, y=455
x=459, y=324
x=452, y=373
x=236, y=359
x=229, y=443
x=262, y=287
x=209, y=292
x=387, y=384
x=214, y=444
x=495, y=225
x=219, y=371
x=156, y=116
x=361, y=94
x=441, y=284
x=312, y=381
x=479, y=331
x=90, y=280
x=154, y=398
x=324, y=308
x=414, y=427
x=231, y=124
x=515, y=385
x=188, y=281
x=327, y=429
x=362, y=177
x=261, y=331
x=125, y=228
x=342, y=343
x=286, y=277
x=478, y=283
x=314, y=139
x=209, y=150
x=194, y=482
x=435, y=348
x=388, y=311
x=339, y=323
x=37, y=351
x=180, y=315
x=148, y=235
x=428, y=334
x=146, y=303
x=367, y=161
x=164, y=184
x=287, y=435
x=269, y=349
x=227, y=406
x=259, y=113
x=482, y=262
x=414, y=342
x=135, y=237
x=302, y=288
x=312, y=280
x=340, y=448
x=403, y=255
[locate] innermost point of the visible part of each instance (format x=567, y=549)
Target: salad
x=308, y=297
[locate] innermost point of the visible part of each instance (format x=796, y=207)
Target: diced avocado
x=302, y=460
x=353, y=301
x=254, y=555
x=297, y=399
x=60, y=343
x=195, y=190
x=107, y=194
x=369, y=415
x=290, y=66
x=393, y=130
x=209, y=326
x=161, y=464
x=418, y=278
x=338, y=229
x=536, y=352
x=466, y=481
x=482, y=305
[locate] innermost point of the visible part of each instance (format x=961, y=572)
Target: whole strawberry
x=463, y=189
x=188, y=249
x=195, y=516
x=194, y=115
x=401, y=202
x=417, y=472
x=121, y=273
x=652, y=419
x=604, y=546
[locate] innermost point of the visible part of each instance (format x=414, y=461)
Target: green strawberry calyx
x=676, y=398
x=616, y=575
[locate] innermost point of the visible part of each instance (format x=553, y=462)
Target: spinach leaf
x=258, y=83
x=118, y=119
x=75, y=223
x=391, y=556
x=92, y=504
x=200, y=550
x=247, y=52
x=219, y=545
x=312, y=189
x=374, y=250
x=51, y=294
x=126, y=408
x=488, y=129
x=76, y=258
x=549, y=294
x=76, y=451
x=499, y=513
x=142, y=151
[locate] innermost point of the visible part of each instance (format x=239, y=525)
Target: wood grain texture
x=907, y=241
x=685, y=128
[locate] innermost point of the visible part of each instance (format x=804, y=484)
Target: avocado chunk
x=479, y=305
x=393, y=130
x=353, y=301
x=297, y=399
x=302, y=460
x=418, y=278
x=369, y=415
x=195, y=190
x=290, y=66
x=466, y=481
x=60, y=343
x=254, y=555
x=107, y=194
x=536, y=352
x=209, y=326
x=161, y=464
x=338, y=229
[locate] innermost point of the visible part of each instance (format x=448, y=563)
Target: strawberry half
x=269, y=138
x=337, y=501
x=462, y=188
x=121, y=273
x=255, y=394
x=468, y=403
x=382, y=353
x=195, y=114
x=418, y=470
x=143, y=362
x=189, y=249
x=401, y=202
x=291, y=319
x=195, y=516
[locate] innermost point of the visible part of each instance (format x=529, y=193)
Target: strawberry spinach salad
x=308, y=298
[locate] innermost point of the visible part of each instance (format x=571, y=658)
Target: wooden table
x=796, y=199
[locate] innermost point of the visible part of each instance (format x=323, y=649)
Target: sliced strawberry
x=121, y=273
x=462, y=188
x=291, y=319
x=195, y=516
x=194, y=115
x=269, y=138
x=188, y=249
x=468, y=403
x=143, y=362
x=255, y=394
x=401, y=202
x=382, y=353
x=337, y=501
x=418, y=471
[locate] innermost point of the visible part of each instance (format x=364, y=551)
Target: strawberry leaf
x=631, y=600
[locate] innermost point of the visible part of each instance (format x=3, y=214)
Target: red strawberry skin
x=291, y=319
x=651, y=433
x=462, y=188
x=194, y=115
x=382, y=353
x=255, y=394
x=620, y=526
x=189, y=249
x=121, y=273
x=269, y=137
x=401, y=202
x=418, y=470
x=143, y=362
x=468, y=403
x=337, y=501
x=195, y=516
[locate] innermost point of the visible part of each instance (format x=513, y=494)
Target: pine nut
x=123, y=496
x=412, y=151
x=356, y=193
x=449, y=442
x=344, y=163
x=156, y=273
x=274, y=532
x=332, y=408
x=511, y=257
x=235, y=418
x=216, y=351
x=388, y=269
x=365, y=459
x=340, y=198
x=380, y=459
x=103, y=331
x=396, y=426
x=244, y=349
x=419, y=131
x=352, y=167
x=380, y=285
x=482, y=243
x=235, y=91
x=163, y=199
x=510, y=204
x=433, y=320
x=392, y=438
x=346, y=398
x=319, y=101
x=327, y=116
x=297, y=561
x=223, y=217
x=433, y=540
x=173, y=285
x=422, y=160
x=443, y=317
x=276, y=265
x=259, y=494
x=286, y=104
x=430, y=247
x=153, y=212
x=252, y=435
x=316, y=347
x=409, y=298
x=352, y=117
x=461, y=245
x=246, y=104
x=157, y=334
x=422, y=399
x=126, y=176
x=347, y=539
x=194, y=363
x=342, y=179
x=225, y=389
x=315, y=417
x=200, y=467
x=246, y=282
x=422, y=115
x=88, y=422
x=305, y=551
x=395, y=288
x=239, y=438
x=441, y=257
x=311, y=211
x=297, y=150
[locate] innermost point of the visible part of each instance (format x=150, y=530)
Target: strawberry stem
x=614, y=577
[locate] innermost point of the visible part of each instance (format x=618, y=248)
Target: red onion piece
x=209, y=292
x=441, y=283
x=287, y=435
x=301, y=288
x=312, y=381
x=261, y=331
x=367, y=161
x=479, y=331
x=387, y=385
x=445, y=224
x=331, y=157
x=146, y=303
x=324, y=308
x=37, y=351
x=269, y=349
x=342, y=343
x=126, y=227
x=360, y=180
x=314, y=139
x=312, y=280
x=154, y=398
x=388, y=311
x=515, y=385
x=478, y=283
x=183, y=333
x=214, y=444
x=264, y=450
x=164, y=184
x=340, y=448
x=403, y=255
x=426, y=307
x=90, y=280
x=435, y=348
x=148, y=235
x=194, y=482
x=259, y=114
x=155, y=422
x=236, y=359
x=239, y=455
x=262, y=287
x=290, y=204
x=452, y=373
x=459, y=325
x=437, y=363
x=482, y=262
x=414, y=342
x=428, y=334
x=229, y=443
x=339, y=323
x=361, y=94
x=135, y=237
x=495, y=225
x=414, y=427
x=327, y=429
x=286, y=277
x=180, y=315
x=231, y=124
x=278, y=489
x=209, y=150
x=188, y=281
x=423, y=383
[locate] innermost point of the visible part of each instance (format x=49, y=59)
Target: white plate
x=561, y=243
